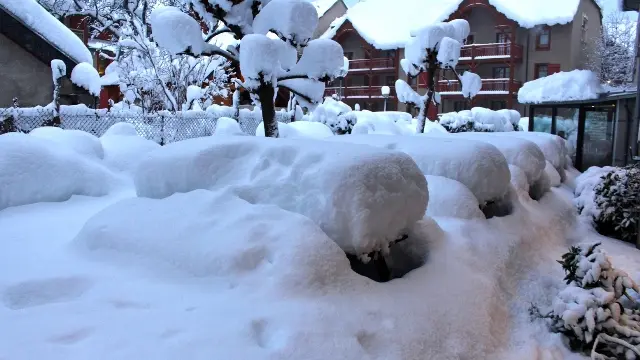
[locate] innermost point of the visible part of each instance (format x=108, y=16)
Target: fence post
x=162, y=130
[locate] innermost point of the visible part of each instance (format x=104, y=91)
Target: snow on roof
x=574, y=85
x=322, y=6
x=40, y=21
x=388, y=26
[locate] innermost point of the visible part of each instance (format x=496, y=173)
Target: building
x=30, y=38
x=510, y=43
x=634, y=5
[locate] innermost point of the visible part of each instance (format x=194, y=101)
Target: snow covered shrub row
x=36, y=168
x=362, y=197
x=480, y=120
x=337, y=115
x=596, y=312
x=609, y=198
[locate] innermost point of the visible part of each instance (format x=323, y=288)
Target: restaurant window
x=543, y=39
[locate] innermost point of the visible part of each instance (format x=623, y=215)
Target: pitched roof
x=45, y=25
x=388, y=26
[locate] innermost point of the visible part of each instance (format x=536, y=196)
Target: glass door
x=597, y=149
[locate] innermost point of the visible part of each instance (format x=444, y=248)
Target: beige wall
x=585, y=44
x=337, y=10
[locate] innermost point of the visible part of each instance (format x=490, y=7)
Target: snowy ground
x=73, y=287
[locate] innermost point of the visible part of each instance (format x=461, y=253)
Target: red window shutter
x=422, y=79
x=553, y=68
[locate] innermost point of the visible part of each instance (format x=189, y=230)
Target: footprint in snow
x=32, y=293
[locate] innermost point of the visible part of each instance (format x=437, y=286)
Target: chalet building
x=505, y=48
x=30, y=38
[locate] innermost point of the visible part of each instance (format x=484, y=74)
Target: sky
x=612, y=5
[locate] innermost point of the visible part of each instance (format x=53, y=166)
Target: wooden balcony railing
x=490, y=51
x=372, y=64
x=358, y=91
x=488, y=85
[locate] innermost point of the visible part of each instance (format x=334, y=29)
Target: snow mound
x=254, y=245
x=477, y=165
x=493, y=120
x=363, y=198
x=552, y=174
x=122, y=129
x=34, y=169
x=519, y=178
x=175, y=30
x=76, y=140
x=229, y=126
x=553, y=147
x=373, y=123
x=585, y=194
x=563, y=86
x=124, y=152
x=299, y=129
x=449, y=198
x=522, y=153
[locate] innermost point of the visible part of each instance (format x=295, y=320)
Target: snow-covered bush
x=363, y=198
x=609, y=198
x=480, y=120
x=596, y=311
x=337, y=115
x=123, y=148
x=431, y=48
x=76, y=140
x=33, y=169
x=450, y=198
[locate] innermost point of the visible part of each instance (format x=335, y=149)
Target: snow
x=262, y=56
x=389, y=27
x=229, y=126
x=377, y=123
x=552, y=146
x=477, y=165
x=449, y=52
x=471, y=84
x=58, y=69
x=121, y=129
x=333, y=114
x=561, y=87
x=491, y=119
x=322, y=6
x=362, y=197
x=322, y=58
x=34, y=169
x=176, y=31
x=299, y=129
x=585, y=194
x=293, y=20
x=406, y=94
x=194, y=93
x=123, y=153
x=449, y=198
x=45, y=25
x=86, y=76
x=552, y=174
x=385, y=90
x=78, y=141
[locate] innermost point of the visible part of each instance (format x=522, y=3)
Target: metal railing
x=489, y=51
x=359, y=91
x=162, y=128
x=372, y=64
x=501, y=85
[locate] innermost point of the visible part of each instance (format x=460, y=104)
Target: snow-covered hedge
x=609, y=198
x=123, y=148
x=362, y=197
x=480, y=120
x=479, y=166
x=597, y=312
x=563, y=86
x=33, y=169
x=337, y=115
x=76, y=140
x=300, y=129
x=450, y=198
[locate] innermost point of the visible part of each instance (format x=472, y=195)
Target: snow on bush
x=609, y=198
x=33, y=169
x=362, y=197
x=561, y=87
x=86, y=76
x=376, y=123
x=477, y=165
x=596, y=311
x=123, y=150
x=299, y=129
x=255, y=245
x=519, y=178
x=479, y=120
x=471, y=84
x=553, y=147
x=336, y=115
x=449, y=198
x=512, y=117
x=176, y=31
x=519, y=152
x=228, y=126
x=76, y=140
x=552, y=174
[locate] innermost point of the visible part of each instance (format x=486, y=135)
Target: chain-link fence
x=162, y=128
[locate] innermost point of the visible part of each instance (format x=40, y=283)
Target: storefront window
x=567, y=128
x=542, y=119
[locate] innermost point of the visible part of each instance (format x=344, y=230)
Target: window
x=459, y=105
x=541, y=70
x=348, y=55
x=501, y=72
x=470, y=40
x=543, y=39
x=503, y=38
x=388, y=54
x=498, y=105
x=390, y=81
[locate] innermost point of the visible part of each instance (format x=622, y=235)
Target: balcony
x=490, y=52
x=372, y=64
x=359, y=92
x=489, y=87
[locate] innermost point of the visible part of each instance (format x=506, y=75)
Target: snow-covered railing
x=359, y=91
x=490, y=51
x=372, y=64
x=448, y=86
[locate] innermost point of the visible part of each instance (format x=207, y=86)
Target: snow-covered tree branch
x=266, y=62
x=432, y=48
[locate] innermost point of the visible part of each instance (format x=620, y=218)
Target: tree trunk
x=431, y=88
x=266, y=95
x=57, y=85
x=236, y=105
